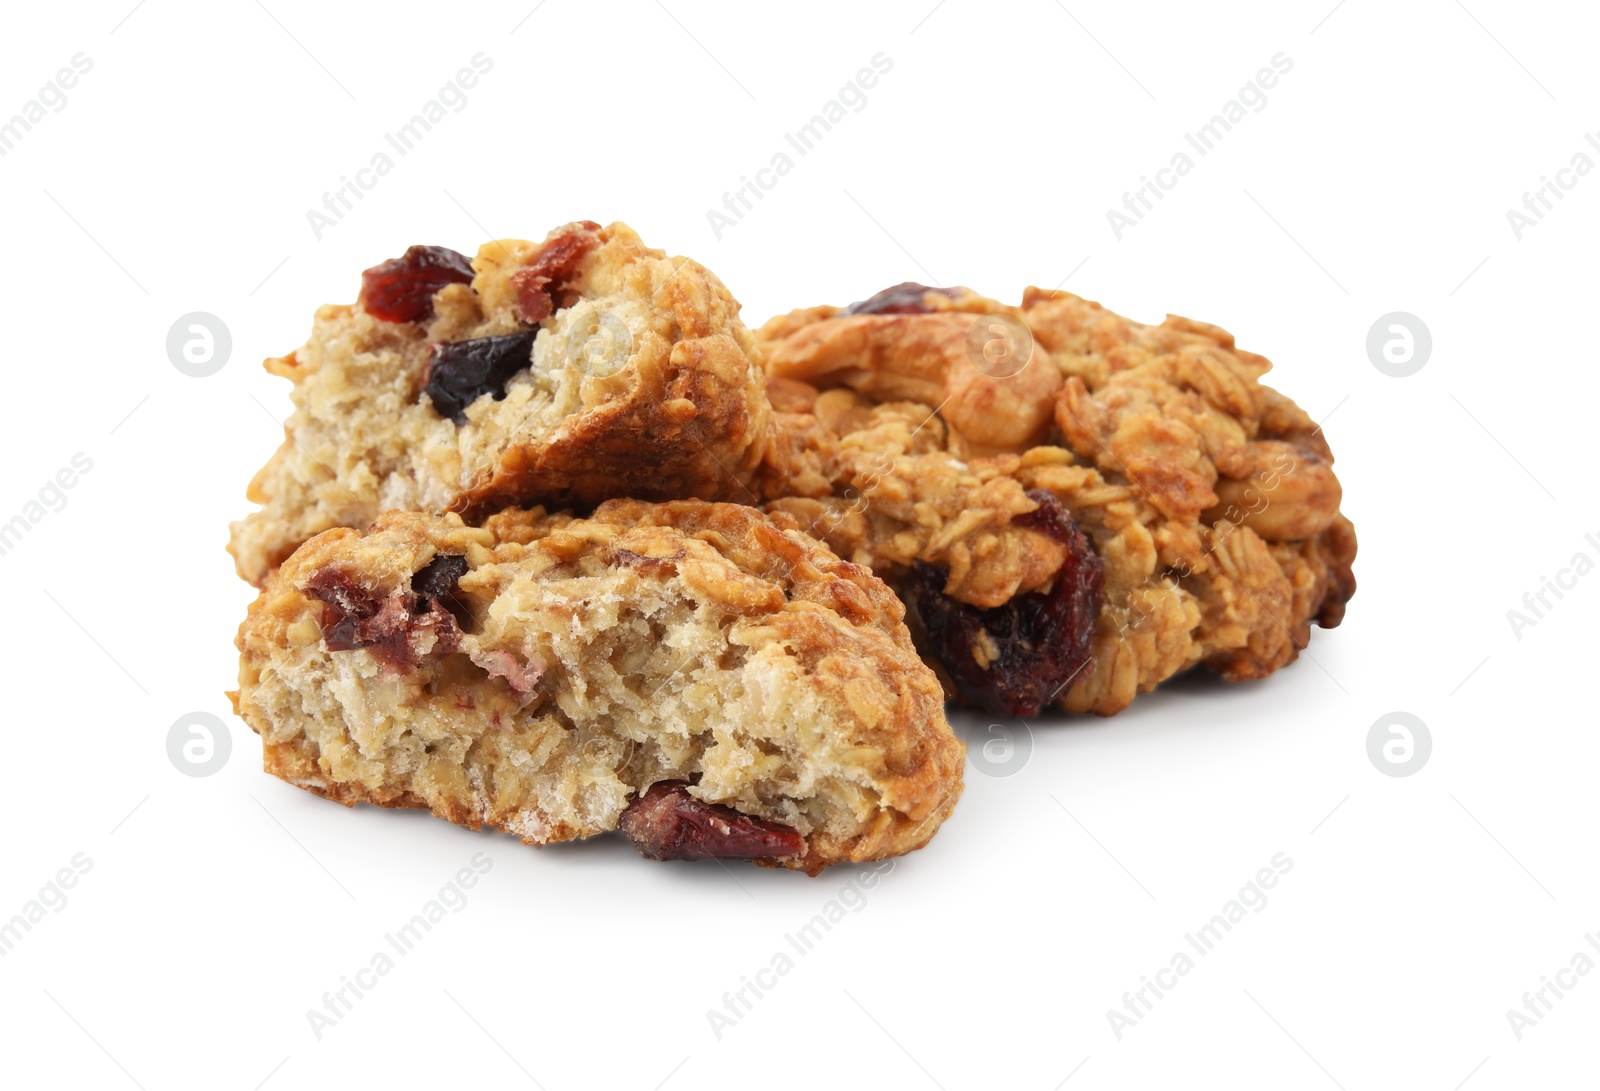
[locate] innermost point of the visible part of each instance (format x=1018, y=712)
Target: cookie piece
x=565, y=372
x=704, y=677
x=1208, y=498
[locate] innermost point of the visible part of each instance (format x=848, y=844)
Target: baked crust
x=926, y=359
x=591, y=658
x=640, y=383
x=1210, y=497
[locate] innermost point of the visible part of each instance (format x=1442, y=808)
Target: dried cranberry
x=436, y=582
x=901, y=299
x=355, y=617
x=461, y=372
x=438, y=578
x=551, y=269
x=1032, y=646
x=401, y=289
x=667, y=823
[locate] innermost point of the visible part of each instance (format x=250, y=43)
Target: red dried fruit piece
x=401, y=289
x=551, y=268
x=1013, y=659
x=354, y=617
x=901, y=299
x=461, y=372
x=667, y=823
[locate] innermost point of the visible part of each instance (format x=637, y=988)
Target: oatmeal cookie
x=1207, y=500
x=705, y=678
x=565, y=372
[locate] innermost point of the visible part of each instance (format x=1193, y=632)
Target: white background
x=1419, y=909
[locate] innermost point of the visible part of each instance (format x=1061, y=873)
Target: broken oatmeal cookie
x=705, y=678
x=565, y=372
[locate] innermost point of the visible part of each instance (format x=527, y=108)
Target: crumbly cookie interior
x=581, y=663
x=587, y=354
x=630, y=680
x=366, y=436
